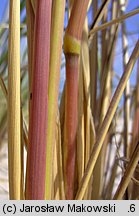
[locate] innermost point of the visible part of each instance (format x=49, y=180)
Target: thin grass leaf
x=115, y=21
x=107, y=121
x=53, y=89
x=128, y=174
x=14, y=114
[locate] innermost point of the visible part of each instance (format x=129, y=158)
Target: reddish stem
x=71, y=48
x=36, y=158
x=71, y=121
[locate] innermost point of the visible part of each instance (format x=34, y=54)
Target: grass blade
x=54, y=78
x=106, y=123
x=128, y=174
x=14, y=130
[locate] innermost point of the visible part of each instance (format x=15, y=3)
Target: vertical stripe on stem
x=72, y=51
x=54, y=78
x=70, y=122
x=14, y=131
x=36, y=158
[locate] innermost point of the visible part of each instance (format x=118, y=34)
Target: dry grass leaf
x=14, y=114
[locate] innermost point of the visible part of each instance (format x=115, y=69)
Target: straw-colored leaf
x=14, y=114
x=106, y=123
x=128, y=174
x=53, y=89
